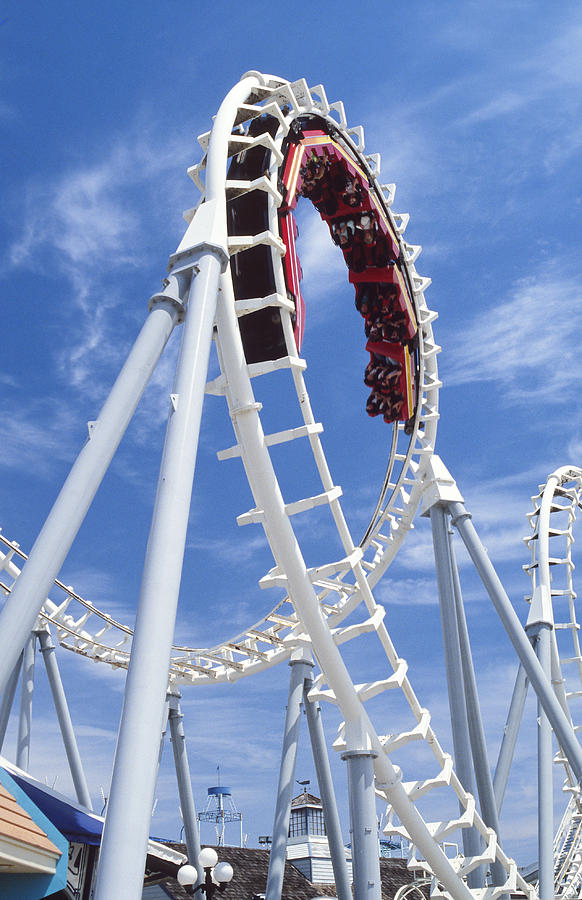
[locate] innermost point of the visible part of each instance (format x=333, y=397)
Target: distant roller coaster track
x=550, y=542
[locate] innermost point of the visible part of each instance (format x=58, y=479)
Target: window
x=316, y=821
x=306, y=821
x=298, y=823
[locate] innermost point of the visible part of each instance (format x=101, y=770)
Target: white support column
x=441, y=488
x=363, y=825
x=8, y=699
x=300, y=670
x=203, y=250
x=126, y=830
x=510, y=733
x=327, y=793
x=545, y=778
x=26, y=692
x=461, y=519
x=475, y=722
x=47, y=649
x=165, y=718
x=19, y=614
x=472, y=844
x=178, y=738
x=540, y=622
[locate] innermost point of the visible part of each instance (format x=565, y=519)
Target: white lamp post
x=216, y=875
x=187, y=875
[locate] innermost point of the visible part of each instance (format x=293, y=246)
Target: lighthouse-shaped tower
x=307, y=845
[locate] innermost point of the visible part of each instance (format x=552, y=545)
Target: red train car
x=390, y=375
x=293, y=273
x=317, y=166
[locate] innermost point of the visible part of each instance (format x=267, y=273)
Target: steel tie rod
x=563, y=730
x=19, y=614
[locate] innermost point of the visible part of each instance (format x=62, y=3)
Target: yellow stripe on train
x=322, y=140
x=409, y=381
x=295, y=166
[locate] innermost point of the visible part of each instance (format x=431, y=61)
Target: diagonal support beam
x=8, y=699
x=47, y=649
x=510, y=733
x=19, y=614
x=455, y=681
x=300, y=670
x=475, y=721
x=178, y=738
x=122, y=857
x=26, y=694
x=202, y=252
x=563, y=730
x=327, y=793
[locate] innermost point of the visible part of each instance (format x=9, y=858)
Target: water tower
x=221, y=810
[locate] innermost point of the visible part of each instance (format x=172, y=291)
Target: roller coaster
x=235, y=279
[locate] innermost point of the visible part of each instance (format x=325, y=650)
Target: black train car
x=252, y=269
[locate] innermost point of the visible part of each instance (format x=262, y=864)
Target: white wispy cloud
x=83, y=213
x=79, y=216
x=35, y=435
x=482, y=130
x=235, y=553
x=527, y=343
x=544, y=64
x=411, y=155
x=503, y=104
x=407, y=591
x=560, y=60
x=575, y=449
x=561, y=148
x=100, y=587
x=92, y=226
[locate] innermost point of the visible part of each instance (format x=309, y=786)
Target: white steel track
x=551, y=569
x=318, y=599
x=262, y=644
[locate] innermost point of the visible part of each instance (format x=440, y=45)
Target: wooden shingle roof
x=250, y=877
x=305, y=799
x=24, y=846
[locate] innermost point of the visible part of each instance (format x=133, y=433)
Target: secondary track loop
x=551, y=570
x=320, y=598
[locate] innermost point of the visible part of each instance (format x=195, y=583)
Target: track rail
x=266, y=642
x=552, y=567
x=318, y=599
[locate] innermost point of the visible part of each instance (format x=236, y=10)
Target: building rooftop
x=250, y=877
x=305, y=799
x=24, y=845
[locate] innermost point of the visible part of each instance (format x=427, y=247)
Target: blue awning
x=74, y=822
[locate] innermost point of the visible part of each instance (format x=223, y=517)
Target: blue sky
x=475, y=110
